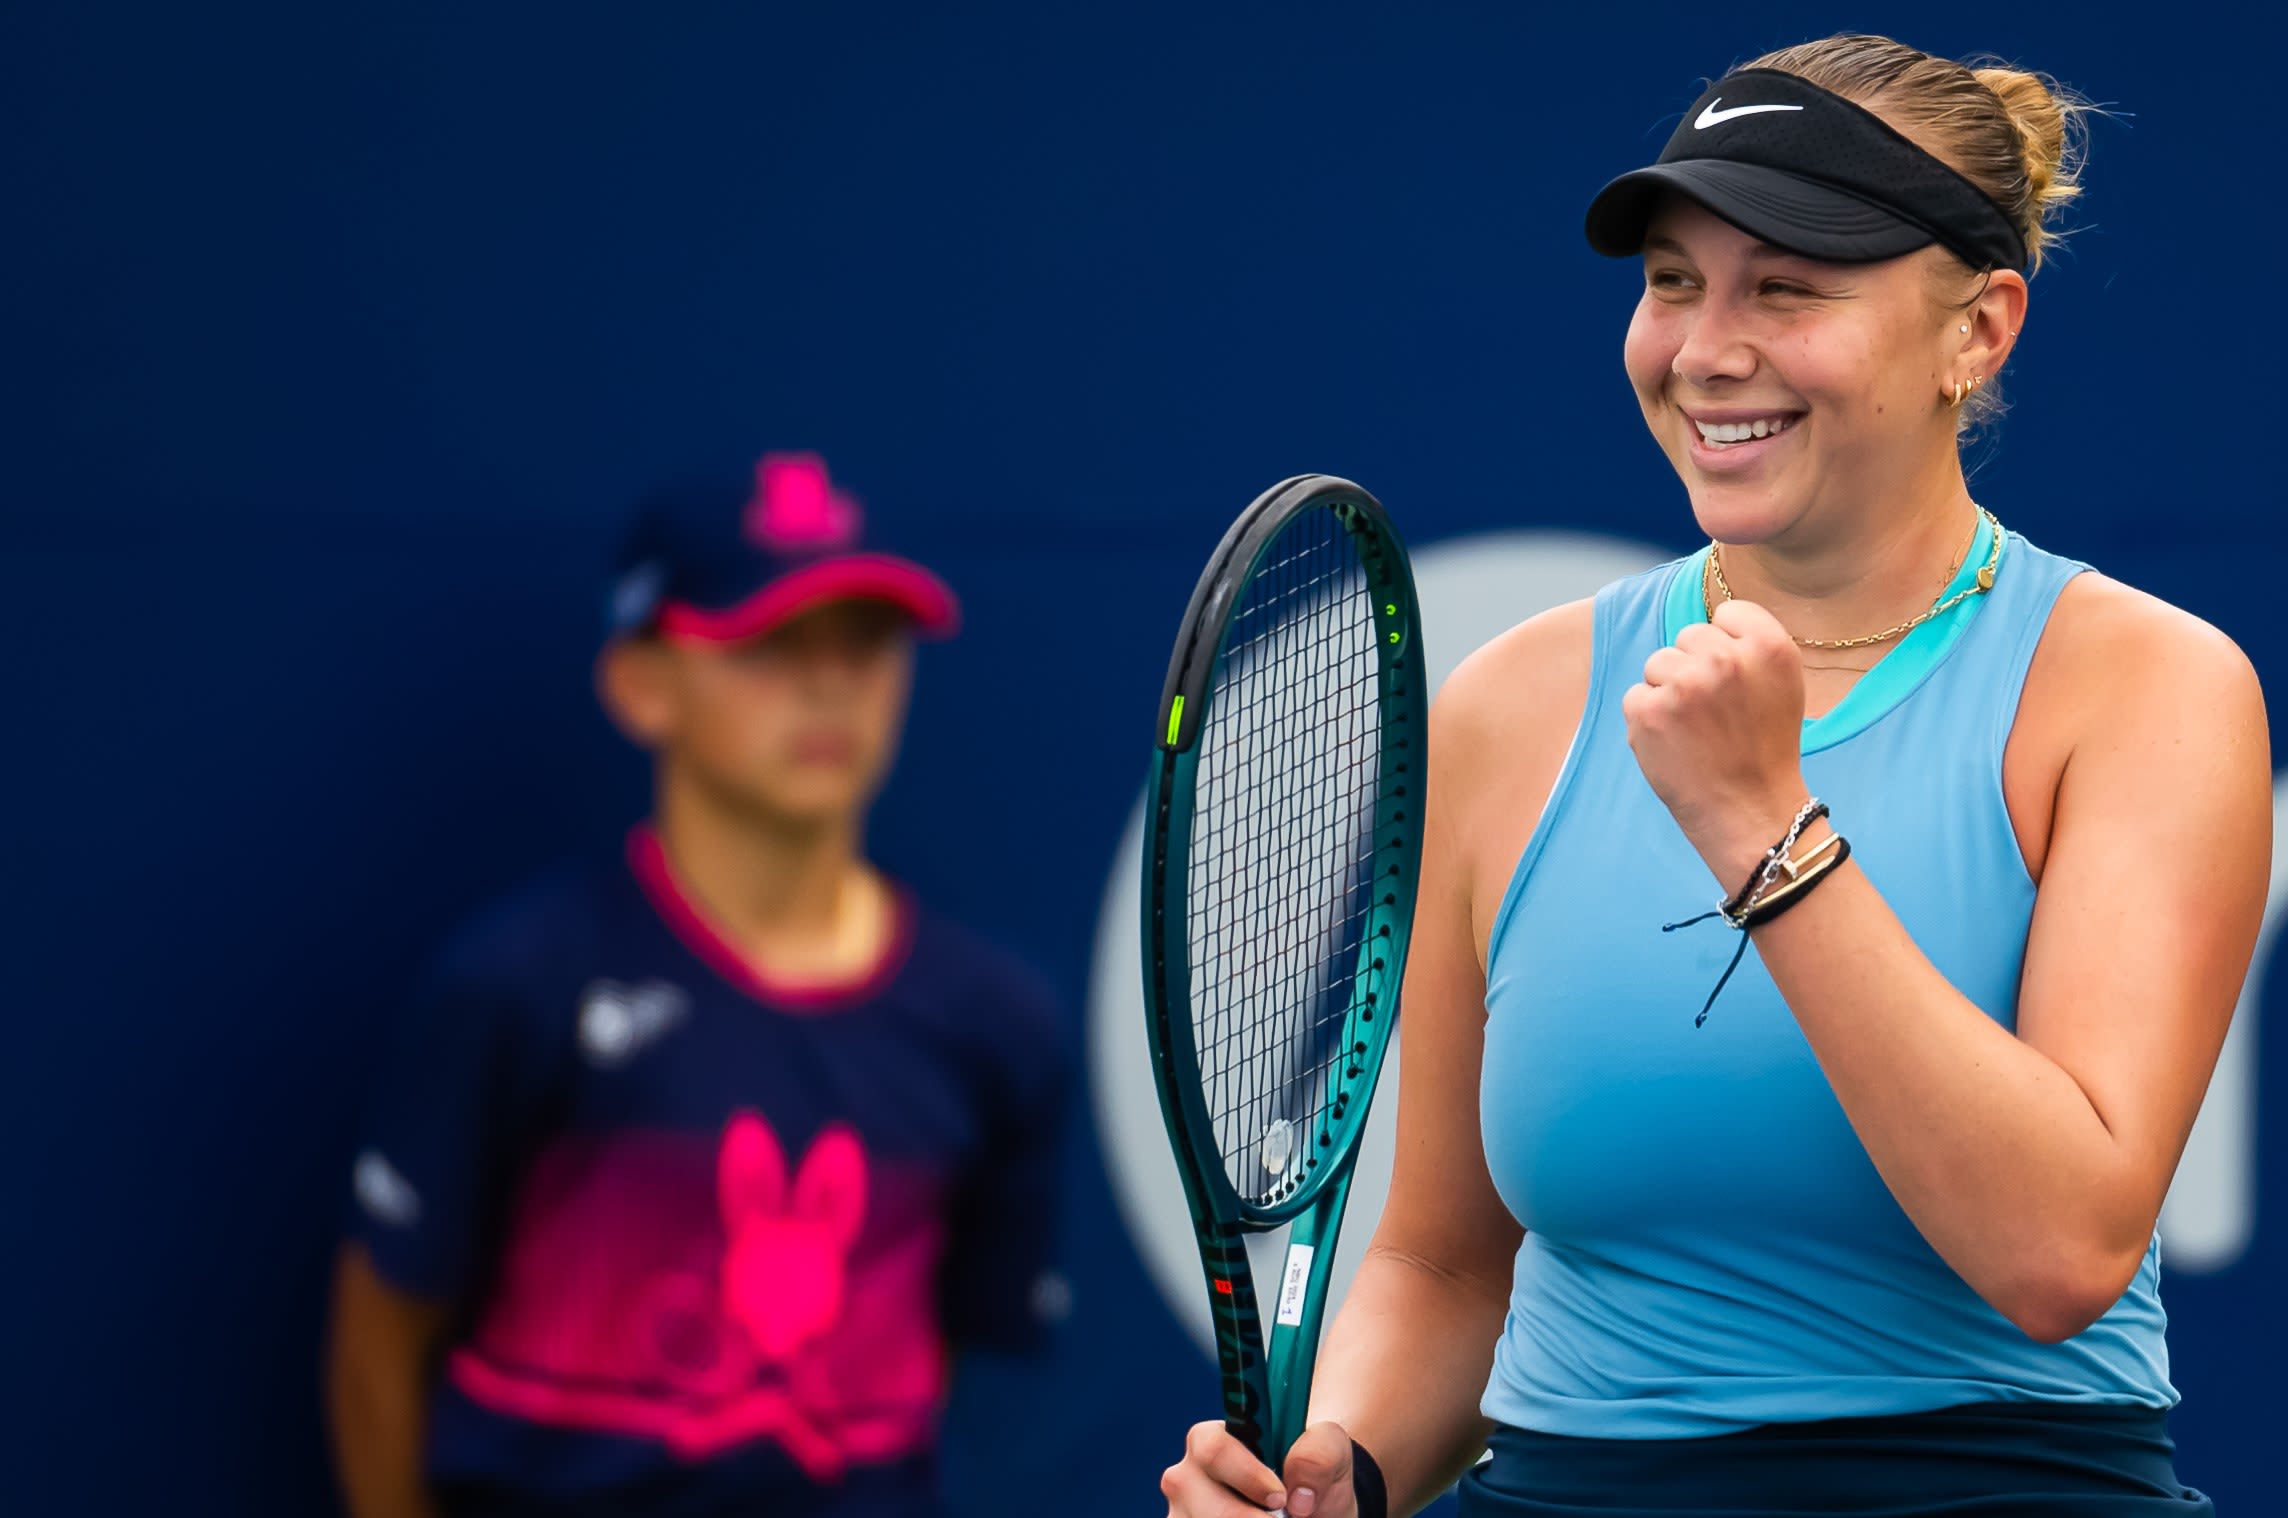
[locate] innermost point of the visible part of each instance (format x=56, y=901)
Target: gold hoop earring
x=1955, y=394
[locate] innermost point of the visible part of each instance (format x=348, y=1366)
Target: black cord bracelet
x=1735, y=909
x=1760, y=901
x=1784, y=897
x=1367, y=1487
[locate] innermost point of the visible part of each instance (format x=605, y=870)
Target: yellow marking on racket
x=1175, y=720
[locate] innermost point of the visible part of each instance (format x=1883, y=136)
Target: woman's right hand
x=1218, y=1478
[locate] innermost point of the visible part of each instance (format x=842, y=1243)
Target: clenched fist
x=1717, y=728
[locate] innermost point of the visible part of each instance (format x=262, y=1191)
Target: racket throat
x=1296, y=1319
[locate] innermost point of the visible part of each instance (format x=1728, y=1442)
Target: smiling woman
x=1854, y=1211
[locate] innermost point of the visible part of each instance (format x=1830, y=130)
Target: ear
x=831, y=1186
x=1995, y=321
x=750, y=1173
x=635, y=681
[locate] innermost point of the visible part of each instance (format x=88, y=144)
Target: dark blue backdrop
x=337, y=338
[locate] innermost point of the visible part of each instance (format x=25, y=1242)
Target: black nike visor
x=1808, y=171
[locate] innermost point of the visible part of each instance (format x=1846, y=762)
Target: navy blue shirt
x=712, y=1241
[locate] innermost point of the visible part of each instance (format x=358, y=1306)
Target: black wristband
x=1367, y=1490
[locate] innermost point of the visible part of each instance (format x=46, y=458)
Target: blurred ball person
x=695, y=1166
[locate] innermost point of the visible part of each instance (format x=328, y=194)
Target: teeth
x=1741, y=432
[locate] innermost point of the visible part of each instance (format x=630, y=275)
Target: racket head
x=1283, y=847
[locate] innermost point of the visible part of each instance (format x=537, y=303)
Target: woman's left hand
x=1717, y=728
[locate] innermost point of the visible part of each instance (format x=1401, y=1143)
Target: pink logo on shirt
x=707, y=1297
x=796, y=509
x=782, y=1274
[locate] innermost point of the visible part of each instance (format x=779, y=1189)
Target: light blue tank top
x=1708, y=1247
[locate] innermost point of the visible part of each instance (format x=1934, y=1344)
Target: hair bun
x=2048, y=120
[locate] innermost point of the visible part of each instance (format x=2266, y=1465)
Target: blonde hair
x=2016, y=135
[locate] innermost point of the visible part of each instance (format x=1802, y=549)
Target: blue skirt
x=1992, y=1460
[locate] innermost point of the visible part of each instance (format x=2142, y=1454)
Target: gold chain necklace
x=1978, y=587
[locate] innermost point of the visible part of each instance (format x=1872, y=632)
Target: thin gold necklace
x=1978, y=587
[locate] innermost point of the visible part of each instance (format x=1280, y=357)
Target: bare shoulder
x=1519, y=677
x=1499, y=731
x=2128, y=691
x=2115, y=655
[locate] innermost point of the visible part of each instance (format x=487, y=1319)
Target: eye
x=1787, y=289
x=1666, y=280
x=770, y=649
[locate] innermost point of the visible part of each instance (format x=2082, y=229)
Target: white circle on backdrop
x=2210, y=1213
x=1472, y=589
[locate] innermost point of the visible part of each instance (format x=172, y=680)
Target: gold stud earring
x=1965, y=327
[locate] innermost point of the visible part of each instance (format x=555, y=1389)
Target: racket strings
x=1282, y=853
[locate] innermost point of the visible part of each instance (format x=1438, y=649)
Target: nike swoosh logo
x=617, y=1021
x=1710, y=116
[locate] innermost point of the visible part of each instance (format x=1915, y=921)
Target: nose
x=827, y=669
x=1716, y=348
x=834, y=663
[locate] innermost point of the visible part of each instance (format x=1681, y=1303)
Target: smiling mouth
x=825, y=748
x=1733, y=434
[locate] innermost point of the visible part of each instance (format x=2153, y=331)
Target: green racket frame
x=1266, y=1389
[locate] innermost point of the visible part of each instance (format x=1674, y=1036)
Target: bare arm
x=1406, y=1359
x=381, y=1350
x=2036, y=1163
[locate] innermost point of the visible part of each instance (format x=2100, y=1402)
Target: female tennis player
x=1868, y=1226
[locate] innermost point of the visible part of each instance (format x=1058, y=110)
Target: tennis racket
x=1280, y=866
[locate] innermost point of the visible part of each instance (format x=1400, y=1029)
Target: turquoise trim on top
x=1894, y=676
